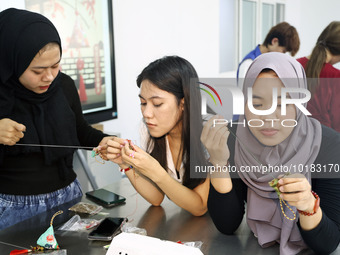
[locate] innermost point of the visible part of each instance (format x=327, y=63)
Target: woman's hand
x=11, y=131
x=124, y=153
x=102, y=147
x=142, y=161
x=215, y=141
x=114, y=147
x=296, y=190
x=214, y=138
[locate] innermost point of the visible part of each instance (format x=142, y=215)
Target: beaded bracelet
x=316, y=206
x=126, y=169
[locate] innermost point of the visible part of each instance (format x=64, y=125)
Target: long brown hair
x=173, y=74
x=329, y=39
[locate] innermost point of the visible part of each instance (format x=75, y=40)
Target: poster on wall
x=86, y=31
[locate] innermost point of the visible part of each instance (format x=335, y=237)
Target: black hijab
x=48, y=117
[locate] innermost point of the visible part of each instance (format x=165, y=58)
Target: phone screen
x=106, y=229
x=105, y=197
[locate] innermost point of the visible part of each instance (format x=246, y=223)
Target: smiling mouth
x=269, y=131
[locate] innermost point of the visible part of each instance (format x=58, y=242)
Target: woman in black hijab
x=38, y=105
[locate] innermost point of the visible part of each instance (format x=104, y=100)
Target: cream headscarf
x=302, y=146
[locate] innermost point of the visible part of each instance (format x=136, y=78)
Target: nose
x=147, y=111
x=274, y=115
x=48, y=76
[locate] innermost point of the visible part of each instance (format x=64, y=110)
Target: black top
x=25, y=172
x=51, y=118
x=47, y=116
x=227, y=210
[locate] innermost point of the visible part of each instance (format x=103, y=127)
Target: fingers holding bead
x=129, y=149
x=131, y=153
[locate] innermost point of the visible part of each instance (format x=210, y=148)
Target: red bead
x=126, y=169
x=316, y=206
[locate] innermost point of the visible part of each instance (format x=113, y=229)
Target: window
x=256, y=17
x=267, y=19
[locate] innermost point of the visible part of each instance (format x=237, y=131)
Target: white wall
x=310, y=17
x=150, y=29
x=20, y=4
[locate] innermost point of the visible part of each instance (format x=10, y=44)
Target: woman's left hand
x=141, y=160
x=296, y=190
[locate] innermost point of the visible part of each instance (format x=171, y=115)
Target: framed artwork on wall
x=86, y=31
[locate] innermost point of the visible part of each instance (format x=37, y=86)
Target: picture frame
x=86, y=31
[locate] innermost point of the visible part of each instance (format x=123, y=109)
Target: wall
x=150, y=29
x=310, y=17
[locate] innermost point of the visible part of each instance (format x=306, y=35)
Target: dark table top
x=168, y=222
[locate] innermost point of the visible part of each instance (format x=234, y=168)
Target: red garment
x=325, y=104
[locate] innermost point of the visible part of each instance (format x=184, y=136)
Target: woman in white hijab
x=292, y=142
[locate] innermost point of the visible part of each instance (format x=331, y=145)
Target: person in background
x=324, y=84
x=163, y=164
x=39, y=105
x=281, y=38
x=307, y=212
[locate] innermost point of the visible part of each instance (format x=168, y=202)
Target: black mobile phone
x=107, y=229
x=105, y=197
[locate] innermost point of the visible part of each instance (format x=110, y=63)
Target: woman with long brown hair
x=323, y=80
x=162, y=165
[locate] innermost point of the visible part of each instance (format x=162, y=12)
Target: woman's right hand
x=214, y=138
x=11, y=131
x=114, y=146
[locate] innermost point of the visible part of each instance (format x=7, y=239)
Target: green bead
x=273, y=183
x=94, y=153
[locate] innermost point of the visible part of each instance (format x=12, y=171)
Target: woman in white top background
x=163, y=168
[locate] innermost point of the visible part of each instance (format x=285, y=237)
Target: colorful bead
x=316, y=206
x=281, y=200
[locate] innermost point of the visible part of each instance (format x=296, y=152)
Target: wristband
x=126, y=169
x=316, y=206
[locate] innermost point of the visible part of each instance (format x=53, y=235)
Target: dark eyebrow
x=44, y=67
x=153, y=97
x=258, y=97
